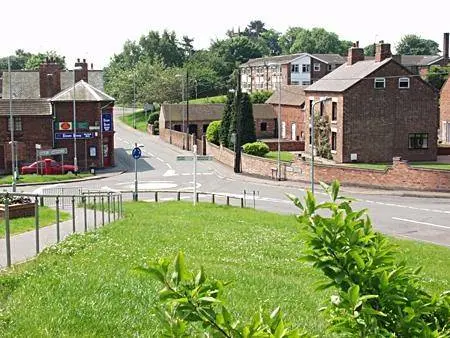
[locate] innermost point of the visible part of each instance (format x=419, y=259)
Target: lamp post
x=185, y=93
x=134, y=100
x=11, y=127
x=74, y=127
x=279, y=77
x=322, y=99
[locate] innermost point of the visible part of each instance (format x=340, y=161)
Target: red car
x=48, y=166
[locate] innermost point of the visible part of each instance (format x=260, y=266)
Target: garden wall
x=18, y=210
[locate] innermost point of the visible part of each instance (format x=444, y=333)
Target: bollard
x=242, y=202
x=36, y=221
x=7, y=232
x=178, y=195
x=95, y=213
x=213, y=199
x=228, y=200
x=196, y=197
x=58, y=234
x=114, y=207
x=103, y=210
x=73, y=215
x=85, y=213
x=121, y=205
x=245, y=198
x=42, y=201
x=156, y=196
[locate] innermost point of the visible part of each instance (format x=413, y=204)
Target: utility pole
x=187, y=109
x=237, y=154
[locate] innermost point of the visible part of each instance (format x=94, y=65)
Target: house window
x=263, y=126
x=330, y=67
x=205, y=127
x=380, y=82
x=294, y=68
x=333, y=111
x=418, y=141
x=17, y=124
x=317, y=67
x=311, y=103
x=305, y=83
x=333, y=140
x=294, y=82
x=305, y=68
x=403, y=82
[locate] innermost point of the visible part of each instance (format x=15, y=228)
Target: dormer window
x=380, y=83
x=317, y=67
x=403, y=82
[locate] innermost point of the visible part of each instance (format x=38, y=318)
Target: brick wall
x=18, y=210
x=399, y=176
x=285, y=145
x=176, y=138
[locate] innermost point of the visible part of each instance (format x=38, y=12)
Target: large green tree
x=412, y=44
x=247, y=127
x=27, y=61
x=437, y=75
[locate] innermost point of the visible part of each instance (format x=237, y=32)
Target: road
x=425, y=219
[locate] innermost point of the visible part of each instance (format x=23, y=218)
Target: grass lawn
x=86, y=285
x=430, y=165
x=34, y=178
x=47, y=216
x=141, y=120
x=374, y=166
x=285, y=156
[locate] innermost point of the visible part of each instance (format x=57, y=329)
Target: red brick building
x=173, y=116
x=445, y=113
x=377, y=109
x=42, y=107
x=292, y=104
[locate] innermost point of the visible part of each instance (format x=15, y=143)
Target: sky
x=96, y=30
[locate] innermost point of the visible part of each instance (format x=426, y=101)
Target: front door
x=293, y=132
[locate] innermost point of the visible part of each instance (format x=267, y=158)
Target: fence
x=87, y=211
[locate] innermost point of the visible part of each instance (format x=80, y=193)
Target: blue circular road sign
x=136, y=153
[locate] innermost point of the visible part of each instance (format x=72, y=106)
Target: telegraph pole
x=11, y=127
x=187, y=109
x=237, y=154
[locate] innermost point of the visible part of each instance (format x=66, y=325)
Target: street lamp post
x=11, y=127
x=134, y=101
x=279, y=77
x=74, y=127
x=322, y=99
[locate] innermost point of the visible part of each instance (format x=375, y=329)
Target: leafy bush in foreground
x=213, y=132
x=256, y=148
x=377, y=297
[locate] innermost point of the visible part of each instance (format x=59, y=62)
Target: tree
x=254, y=29
x=35, y=60
x=226, y=121
x=247, y=128
x=438, y=75
x=369, y=50
x=412, y=44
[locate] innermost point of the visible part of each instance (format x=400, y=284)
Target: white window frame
x=316, y=67
x=305, y=68
x=295, y=82
x=404, y=79
x=306, y=83
x=294, y=68
x=379, y=80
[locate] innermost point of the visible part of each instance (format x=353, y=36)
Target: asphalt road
x=423, y=218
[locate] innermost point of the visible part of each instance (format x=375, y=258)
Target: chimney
x=92, y=65
x=382, y=51
x=81, y=74
x=49, y=79
x=445, y=48
x=355, y=54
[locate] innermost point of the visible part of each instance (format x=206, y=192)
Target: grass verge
x=34, y=178
x=430, y=165
x=47, y=216
x=212, y=99
x=141, y=120
x=86, y=286
x=285, y=156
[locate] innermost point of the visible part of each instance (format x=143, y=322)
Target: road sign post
x=194, y=197
x=136, y=153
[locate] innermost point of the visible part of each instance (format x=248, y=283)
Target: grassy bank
x=285, y=156
x=34, y=178
x=86, y=286
x=47, y=216
x=139, y=116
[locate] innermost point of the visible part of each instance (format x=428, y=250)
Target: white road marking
x=170, y=173
x=417, y=222
x=407, y=207
x=160, y=159
x=168, y=165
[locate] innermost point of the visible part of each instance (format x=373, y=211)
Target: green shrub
x=156, y=128
x=153, y=117
x=376, y=296
x=213, y=132
x=256, y=148
x=260, y=96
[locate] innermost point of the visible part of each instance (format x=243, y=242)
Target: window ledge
x=334, y=151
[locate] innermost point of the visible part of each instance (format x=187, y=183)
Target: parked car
x=48, y=166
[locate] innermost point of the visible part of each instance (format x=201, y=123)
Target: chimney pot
x=382, y=51
x=357, y=43
x=84, y=60
x=92, y=65
x=78, y=60
x=445, y=47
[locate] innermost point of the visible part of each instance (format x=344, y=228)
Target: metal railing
x=86, y=212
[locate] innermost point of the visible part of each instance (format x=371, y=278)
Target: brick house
x=172, y=116
x=42, y=106
x=295, y=69
x=292, y=104
x=377, y=110
x=444, y=122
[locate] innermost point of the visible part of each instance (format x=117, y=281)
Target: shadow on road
x=126, y=162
